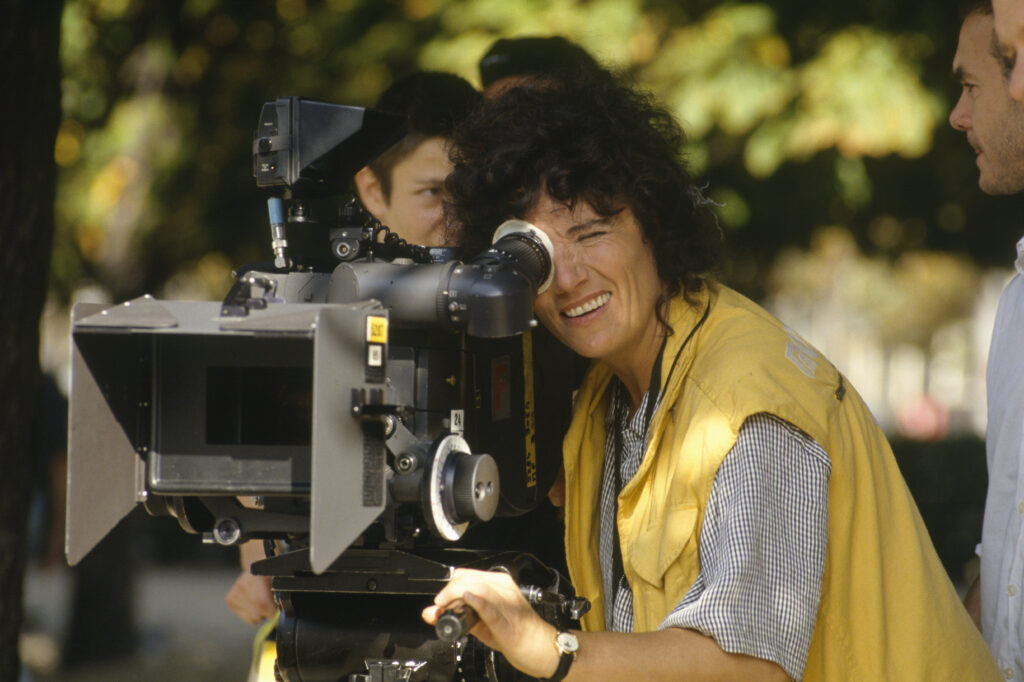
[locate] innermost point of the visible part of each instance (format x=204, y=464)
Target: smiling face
x=602, y=300
x=994, y=123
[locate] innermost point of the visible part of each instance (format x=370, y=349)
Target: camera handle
x=455, y=623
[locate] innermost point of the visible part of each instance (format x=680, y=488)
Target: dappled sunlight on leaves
x=728, y=70
x=78, y=33
x=797, y=115
x=458, y=54
x=209, y=278
x=785, y=110
x=499, y=16
x=111, y=209
x=615, y=31
x=861, y=95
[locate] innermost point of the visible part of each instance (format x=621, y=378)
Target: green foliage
x=798, y=117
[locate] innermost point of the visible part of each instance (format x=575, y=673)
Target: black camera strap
x=653, y=395
x=653, y=392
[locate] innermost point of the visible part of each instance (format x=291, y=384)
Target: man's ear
x=371, y=193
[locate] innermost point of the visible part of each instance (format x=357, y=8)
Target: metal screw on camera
x=405, y=463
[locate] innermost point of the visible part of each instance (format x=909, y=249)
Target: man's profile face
x=1009, y=27
x=994, y=123
x=414, y=208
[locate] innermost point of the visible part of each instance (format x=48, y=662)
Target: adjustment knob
x=475, y=487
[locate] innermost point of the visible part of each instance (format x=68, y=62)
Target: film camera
x=383, y=407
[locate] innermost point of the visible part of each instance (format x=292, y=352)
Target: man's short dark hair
x=532, y=55
x=969, y=8
x=589, y=138
x=433, y=103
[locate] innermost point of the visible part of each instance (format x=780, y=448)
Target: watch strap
x=563, y=667
x=567, y=657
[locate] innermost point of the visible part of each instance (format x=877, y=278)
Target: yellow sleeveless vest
x=888, y=611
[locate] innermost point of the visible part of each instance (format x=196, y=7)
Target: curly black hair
x=586, y=137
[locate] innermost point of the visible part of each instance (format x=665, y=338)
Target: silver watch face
x=567, y=642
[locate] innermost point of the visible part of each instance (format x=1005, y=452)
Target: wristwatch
x=567, y=646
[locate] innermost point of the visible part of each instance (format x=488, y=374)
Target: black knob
x=475, y=487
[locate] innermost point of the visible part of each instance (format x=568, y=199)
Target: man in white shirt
x=994, y=124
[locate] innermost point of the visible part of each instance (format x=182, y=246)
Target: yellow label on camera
x=376, y=329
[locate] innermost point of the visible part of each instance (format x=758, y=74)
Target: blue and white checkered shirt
x=762, y=545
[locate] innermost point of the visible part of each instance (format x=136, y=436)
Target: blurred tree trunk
x=29, y=117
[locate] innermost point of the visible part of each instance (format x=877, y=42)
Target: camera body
x=370, y=404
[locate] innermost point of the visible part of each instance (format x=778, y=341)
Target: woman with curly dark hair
x=535, y=142
x=732, y=509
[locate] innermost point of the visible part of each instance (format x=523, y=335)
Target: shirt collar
x=1019, y=263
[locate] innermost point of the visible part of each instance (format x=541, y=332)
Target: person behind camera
x=732, y=509
x=402, y=189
